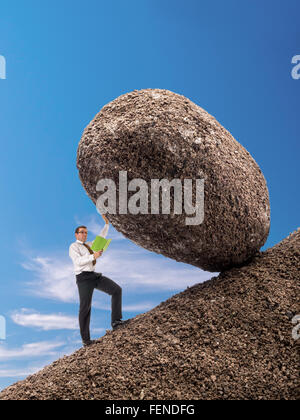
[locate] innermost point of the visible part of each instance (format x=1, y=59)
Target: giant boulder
x=157, y=134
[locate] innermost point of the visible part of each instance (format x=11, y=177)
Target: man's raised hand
x=98, y=254
x=105, y=218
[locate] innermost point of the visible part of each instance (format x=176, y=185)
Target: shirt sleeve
x=79, y=259
x=104, y=231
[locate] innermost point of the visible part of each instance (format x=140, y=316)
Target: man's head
x=81, y=233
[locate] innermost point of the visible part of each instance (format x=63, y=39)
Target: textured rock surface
x=228, y=338
x=157, y=134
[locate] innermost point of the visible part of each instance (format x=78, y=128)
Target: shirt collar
x=80, y=242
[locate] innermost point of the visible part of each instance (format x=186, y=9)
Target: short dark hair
x=79, y=227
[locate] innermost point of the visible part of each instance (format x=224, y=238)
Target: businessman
x=84, y=261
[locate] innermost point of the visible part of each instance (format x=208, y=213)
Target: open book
x=100, y=243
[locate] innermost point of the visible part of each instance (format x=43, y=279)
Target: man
x=84, y=260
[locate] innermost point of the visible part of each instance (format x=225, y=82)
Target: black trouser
x=88, y=281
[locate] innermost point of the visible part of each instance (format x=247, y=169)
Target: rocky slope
x=228, y=338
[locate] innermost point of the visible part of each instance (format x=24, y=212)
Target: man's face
x=81, y=235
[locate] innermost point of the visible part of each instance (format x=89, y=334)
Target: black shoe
x=88, y=343
x=119, y=323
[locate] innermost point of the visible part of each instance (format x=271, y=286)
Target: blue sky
x=64, y=61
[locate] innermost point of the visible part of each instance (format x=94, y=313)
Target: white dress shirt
x=82, y=259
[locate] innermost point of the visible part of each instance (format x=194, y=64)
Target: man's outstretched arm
x=104, y=231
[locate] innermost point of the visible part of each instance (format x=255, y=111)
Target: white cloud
x=96, y=331
x=43, y=348
x=137, y=307
x=19, y=372
x=20, y=358
x=46, y=322
x=54, y=278
x=140, y=270
x=143, y=306
x=134, y=269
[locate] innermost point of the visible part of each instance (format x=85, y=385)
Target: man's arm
x=104, y=231
x=79, y=259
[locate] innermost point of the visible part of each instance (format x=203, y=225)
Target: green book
x=100, y=243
